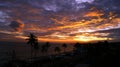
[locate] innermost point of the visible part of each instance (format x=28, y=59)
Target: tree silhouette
x=47, y=44
x=33, y=41
x=13, y=54
x=45, y=47
x=57, y=49
x=76, y=46
x=64, y=46
x=106, y=46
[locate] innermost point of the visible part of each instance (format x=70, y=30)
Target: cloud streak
x=17, y=25
x=61, y=19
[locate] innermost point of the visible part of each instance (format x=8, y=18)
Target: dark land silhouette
x=100, y=54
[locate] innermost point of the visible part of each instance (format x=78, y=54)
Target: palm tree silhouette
x=76, y=46
x=64, y=46
x=106, y=46
x=47, y=44
x=13, y=54
x=57, y=49
x=45, y=47
x=33, y=41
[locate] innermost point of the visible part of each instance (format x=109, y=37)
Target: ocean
x=23, y=50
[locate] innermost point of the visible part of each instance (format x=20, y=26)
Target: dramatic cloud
x=17, y=25
x=71, y=20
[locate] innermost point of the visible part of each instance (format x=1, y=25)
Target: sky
x=60, y=20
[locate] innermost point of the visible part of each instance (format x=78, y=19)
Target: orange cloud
x=82, y=29
x=93, y=14
x=17, y=25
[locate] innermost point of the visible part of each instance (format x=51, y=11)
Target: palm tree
x=106, y=46
x=57, y=49
x=64, y=46
x=45, y=47
x=76, y=46
x=33, y=41
x=36, y=47
x=47, y=44
x=13, y=54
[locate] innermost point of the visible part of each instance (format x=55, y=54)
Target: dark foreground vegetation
x=101, y=54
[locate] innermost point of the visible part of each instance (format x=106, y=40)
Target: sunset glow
x=82, y=20
x=89, y=38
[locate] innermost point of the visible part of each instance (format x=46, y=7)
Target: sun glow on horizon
x=86, y=29
x=78, y=38
x=90, y=38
